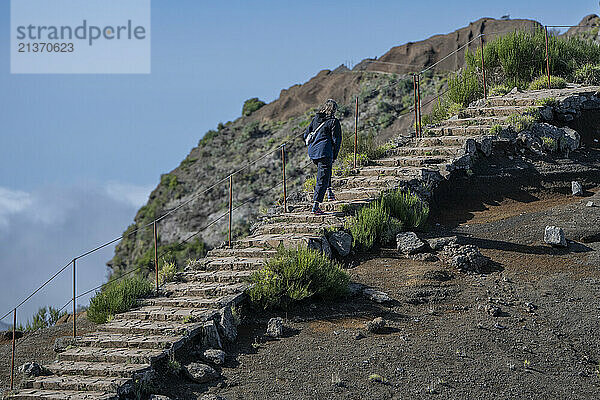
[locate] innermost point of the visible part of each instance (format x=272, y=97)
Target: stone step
x=108, y=355
x=214, y=276
x=475, y=130
x=511, y=101
x=380, y=181
x=36, y=394
x=334, y=207
x=228, y=263
x=250, y=252
x=215, y=302
x=288, y=240
x=121, y=340
x=296, y=227
x=426, y=151
x=88, y=368
x=362, y=193
x=202, y=289
x=450, y=140
x=476, y=121
x=167, y=313
x=128, y=326
x=496, y=111
x=333, y=218
x=411, y=161
x=401, y=174
x=77, y=382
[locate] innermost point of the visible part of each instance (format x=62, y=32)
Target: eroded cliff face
x=383, y=99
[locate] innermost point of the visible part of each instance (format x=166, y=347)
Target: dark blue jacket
x=328, y=141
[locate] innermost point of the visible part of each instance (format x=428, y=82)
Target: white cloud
x=134, y=195
x=12, y=202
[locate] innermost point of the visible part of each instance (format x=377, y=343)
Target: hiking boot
x=316, y=210
x=330, y=195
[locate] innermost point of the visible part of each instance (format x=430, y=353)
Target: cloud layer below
x=40, y=231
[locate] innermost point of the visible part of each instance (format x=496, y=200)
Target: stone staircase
x=197, y=307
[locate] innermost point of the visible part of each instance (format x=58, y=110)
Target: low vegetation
x=45, y=317
x=520, y=122
x=589, y=74
x=117, y=297
x=252, y=105
x=296, y=275
x=380, y=222
x=541, y=83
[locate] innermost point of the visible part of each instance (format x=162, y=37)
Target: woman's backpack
x=311, y=135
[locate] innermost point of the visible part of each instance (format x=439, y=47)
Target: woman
x=323, y=150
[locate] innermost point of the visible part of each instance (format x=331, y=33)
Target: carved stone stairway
x=198, y=305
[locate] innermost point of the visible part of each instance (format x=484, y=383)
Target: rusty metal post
x=483, y=67
x=419, y=99
x=416, y=106
x=547, y=56
x=284, y=180
x=74, y=305
x=355, y=132
x=230, y=206
x=156, y=254
x=12, y=363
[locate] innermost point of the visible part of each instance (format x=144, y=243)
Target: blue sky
x=80, y=153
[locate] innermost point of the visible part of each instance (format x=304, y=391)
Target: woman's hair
x=329, y=108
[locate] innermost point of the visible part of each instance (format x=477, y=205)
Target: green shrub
x=117, y=297
x=500, y=90
x=550, y=144
x=520, y=122
x=345, y=166
x=589, y=74
x=252, y=105
x=496, y=129
x=208, y=136
x=295, y=275
x=373, y=225
x=517, y=58
x=464, y=87
x=45, y=317
x=167, y=272
x=546, y=101
x=442, y=110
x=406, y=207
x=542, y=83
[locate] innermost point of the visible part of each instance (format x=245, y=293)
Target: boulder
x=438, y=244
x=485, y=145
x=210, y=335
x=470, y=146
x=409, y=243
x=62, y=343
x=341, y=242
x=201, y=373
x=226, y=325
x=576, y=188
x=31, y=369
x=320, y=244
x=465, y=258
x=555, y=236
x=375, y=325
x=214, y=356
x=376, y=295
x=275, y=327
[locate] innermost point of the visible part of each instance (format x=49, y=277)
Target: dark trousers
x=324, y=168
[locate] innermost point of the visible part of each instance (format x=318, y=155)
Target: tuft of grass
x=496, y=129
x=589, y=74
x=550, y=144
x=520, y=122
x=117, y=297
x=546, y=101
x=346, y=164
x=541, y=83
x=309, y=184
x=371, y=225
x=296, y=275
x=167, y=272
x=500, y=90
x=464, y=87
x=406, y=207
x=442, y=110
